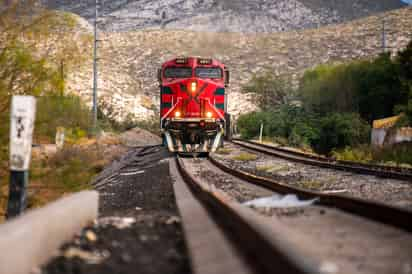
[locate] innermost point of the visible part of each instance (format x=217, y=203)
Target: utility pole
x=383, y=28
x=383, y=35
x=95, y=69
x=296, y=17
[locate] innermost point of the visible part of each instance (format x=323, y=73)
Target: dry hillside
x=129, y=60
x=227, y=15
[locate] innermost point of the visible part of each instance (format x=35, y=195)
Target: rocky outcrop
x=129, y=60
x=228, y=15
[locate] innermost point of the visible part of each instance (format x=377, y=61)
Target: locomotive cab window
x=178, y=72
x=213, y=73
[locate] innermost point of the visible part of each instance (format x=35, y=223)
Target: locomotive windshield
x=214, y=73
x=178, y=72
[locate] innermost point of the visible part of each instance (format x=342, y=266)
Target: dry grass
x=51, y=177
x=244, y=156
x=264, y=168
x=224, y=151
x=315, y=185
x=273, y=168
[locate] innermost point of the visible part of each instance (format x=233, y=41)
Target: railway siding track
x=265, y=252
x=368, y=169
x=397, y=217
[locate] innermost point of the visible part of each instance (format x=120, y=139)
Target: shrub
x=398, y=153
x=73, y=168
x=361, y=154
x=303, y=134
x=249, y=124
x=66, y=111
x=339, y=130
x=244, y=156
x=371, y=88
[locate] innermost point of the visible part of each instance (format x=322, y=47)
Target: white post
x=23, y=109
x=60, y=135
x=261, y=133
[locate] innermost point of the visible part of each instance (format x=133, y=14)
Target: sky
x=408, y=1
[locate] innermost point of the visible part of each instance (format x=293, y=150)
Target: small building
x=384, y=133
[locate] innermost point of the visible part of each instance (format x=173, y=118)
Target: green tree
x=61, y=110
x=371, y=88
x=327, y=88
x=34, y=43
x=269, y=90
x=379, y=88
x=405, y=63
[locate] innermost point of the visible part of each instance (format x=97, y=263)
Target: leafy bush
x=249, y=124
x=361, y=154
x=339, y=130
x=66, y=111
x=370, y=88
x=289, y=123
x=299, y=128
x=303, y=134
x=244, y=156
x=269, y=90
x=397, y=153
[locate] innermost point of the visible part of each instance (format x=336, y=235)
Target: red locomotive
x=193, y=104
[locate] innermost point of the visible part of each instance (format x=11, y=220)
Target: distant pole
x=261, y=133
x=383, y=28
x=383, y=35
x=95, y=68
x=62, y=75
x=296, y=17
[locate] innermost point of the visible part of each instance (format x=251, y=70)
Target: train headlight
x=193, y=86
x=209, y=114
x=177, y=114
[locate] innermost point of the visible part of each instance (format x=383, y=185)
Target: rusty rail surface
x=393, y=216
x=263, y=254
x=361, y=168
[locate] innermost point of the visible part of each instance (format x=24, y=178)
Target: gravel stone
x=389, y=191
x=131, y=235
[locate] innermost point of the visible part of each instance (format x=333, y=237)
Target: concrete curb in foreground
x=33, y=238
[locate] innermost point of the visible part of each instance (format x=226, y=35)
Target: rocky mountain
x=223, y=16
x=129, y=60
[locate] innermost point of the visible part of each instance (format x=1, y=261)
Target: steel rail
x=361, y=168
x=389, y=215
x=260, y=252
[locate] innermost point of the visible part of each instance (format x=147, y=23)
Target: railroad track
x=383, y=213
x=361, y=168
x=244, y=230
x=258, y=249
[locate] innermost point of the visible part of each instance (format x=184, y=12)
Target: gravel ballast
x=336, y=241
x=139, y=228
x=389, y=191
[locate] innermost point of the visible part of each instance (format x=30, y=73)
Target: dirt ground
x=139, y=229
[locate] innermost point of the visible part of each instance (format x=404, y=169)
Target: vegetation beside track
x=244, y=156
x=36, y=55
x=332, y=109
